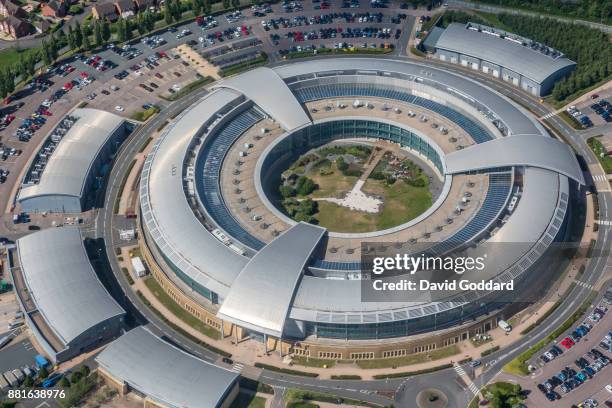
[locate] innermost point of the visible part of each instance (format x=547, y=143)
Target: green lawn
x=410, y=359
x=401, y=201
x=187, y=89
x=178, y=311
x=248, y=401
x=598, y=148
x=145, y=114
x=10, y=56
x=313, y=362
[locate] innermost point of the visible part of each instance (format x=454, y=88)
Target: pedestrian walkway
x=237, y=367
x=471, y=386
x=600, y=177
x=549, y=115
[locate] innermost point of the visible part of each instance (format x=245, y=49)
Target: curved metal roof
x=193, y=249
x=165, y=373
x=169, y=218
x=62, y=282
x=516, y=57
x=264, y=87
x=68, y=168
x=518, y=120
x=261, y=296
x=319, y=299
x=519, y=150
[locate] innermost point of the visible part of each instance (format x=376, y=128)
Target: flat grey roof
x=264, y=87
x=518, y=150
x=516, y=57
x=62, y=282
x=165, y=373
x=166, y=212
x=69, y=165
x=261, y=296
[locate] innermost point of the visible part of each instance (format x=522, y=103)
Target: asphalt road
x=405, y=389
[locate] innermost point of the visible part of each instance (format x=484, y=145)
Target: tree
x=98, y=34
x=236, y=3
x=71, y=39
x=43, y=373
x=45, y=53
x=177, y=12
x=106, y=31
x=64, y=382
x=286, y=191
x=206, y=6
x=9, y=76
x=86, y=43
x=28, y=382
x=84, y=370
x=75, y=377
x=226, y=4
x=167, y=12
x=304, y=186
x=78, y=35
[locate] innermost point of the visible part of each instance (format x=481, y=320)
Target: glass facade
x=305, y=139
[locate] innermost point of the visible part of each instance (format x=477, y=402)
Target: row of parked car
x=603, y=109
x=584, y=120
x=569, y=378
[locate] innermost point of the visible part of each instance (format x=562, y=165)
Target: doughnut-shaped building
x=210, y=225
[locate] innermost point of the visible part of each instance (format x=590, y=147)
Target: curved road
x=405, y=389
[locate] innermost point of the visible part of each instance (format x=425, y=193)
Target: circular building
x=223, y=248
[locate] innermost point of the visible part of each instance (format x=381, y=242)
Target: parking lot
x=578, y=366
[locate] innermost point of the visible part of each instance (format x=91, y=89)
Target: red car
x=68, y=86
x=84, y=74
x=567, y=342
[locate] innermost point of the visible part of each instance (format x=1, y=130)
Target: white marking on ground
x=357, y=200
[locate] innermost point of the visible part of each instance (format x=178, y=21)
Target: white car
x=176, y=87
x=609, y=388
x=46, y=103
x=119, y=108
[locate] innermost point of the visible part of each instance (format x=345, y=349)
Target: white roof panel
x=165, y=373
x=62, y=282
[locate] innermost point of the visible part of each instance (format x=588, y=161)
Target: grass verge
x=570, y=120
x=286, y=370
x=518, y=366
x=294, y=397
x=600, y=152
x=127, y=275
x=186, y=334
x=178, y=311
x=340, y=51
x=413, y=373
x=244, y=66
x=410, y=359
x=122, y=186
x=244, y=400
x=187, y=89
x=313, y=362
x=346, y=377
x=142, y=116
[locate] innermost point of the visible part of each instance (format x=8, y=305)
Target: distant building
x=142, y=5
x=54, y=8
x=527, y=64
x=125, y=8
x=15, y=27
x=104, y=10
x=8, y=8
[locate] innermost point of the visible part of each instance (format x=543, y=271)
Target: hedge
x=286, y=370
